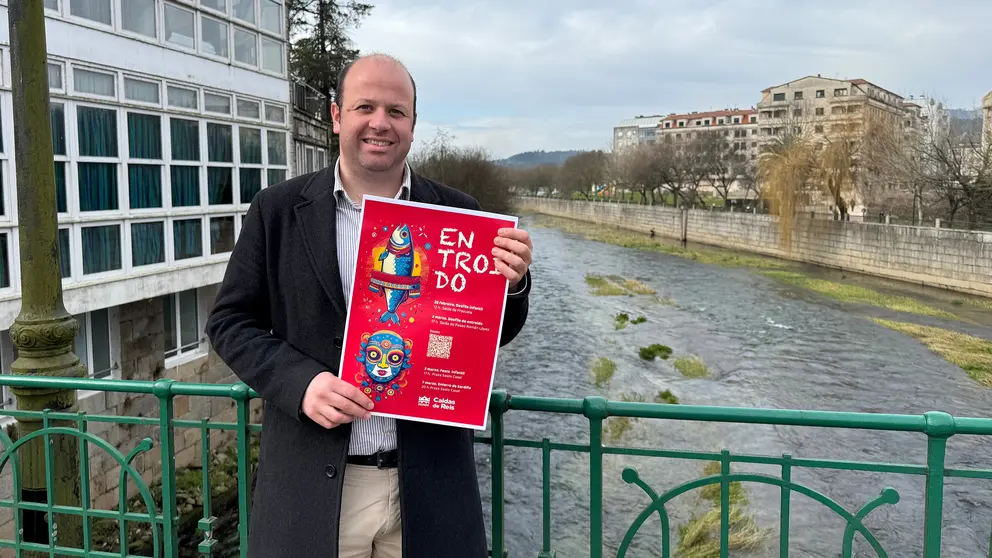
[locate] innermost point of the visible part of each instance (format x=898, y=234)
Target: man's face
x=375, y=121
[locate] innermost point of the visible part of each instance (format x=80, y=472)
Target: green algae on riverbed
x=691, y=367
x=858, y=295
x=655, y=351
x=602, y=371
x=972, y=354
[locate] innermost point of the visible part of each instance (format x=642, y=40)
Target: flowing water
x=766, y=345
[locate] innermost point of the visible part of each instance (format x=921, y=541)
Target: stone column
x=43, y=331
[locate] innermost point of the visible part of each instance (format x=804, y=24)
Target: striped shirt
x=377, y=433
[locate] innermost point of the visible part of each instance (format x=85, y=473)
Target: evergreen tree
x=320, y=46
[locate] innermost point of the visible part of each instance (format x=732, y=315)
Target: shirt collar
x=403, y=194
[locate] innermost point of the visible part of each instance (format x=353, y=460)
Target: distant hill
x=535, y=158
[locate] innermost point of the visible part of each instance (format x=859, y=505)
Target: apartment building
x=634, y=131
x=824, y=107
x=167, y=118
x=737, y=127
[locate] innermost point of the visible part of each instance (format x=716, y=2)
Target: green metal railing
x=163, y=520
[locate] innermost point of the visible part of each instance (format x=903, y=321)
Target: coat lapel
x=318, y=218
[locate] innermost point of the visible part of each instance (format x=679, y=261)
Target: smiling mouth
x=378, y=143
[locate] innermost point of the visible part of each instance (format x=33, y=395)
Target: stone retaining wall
x=952, y=259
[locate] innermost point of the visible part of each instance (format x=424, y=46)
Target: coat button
x=338, y=342
x=330, y=471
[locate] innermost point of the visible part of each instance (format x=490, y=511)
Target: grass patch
x=601, y=286
x=691, y=367
x=972, y=354
x=640, y=241
x=666, y=397
x=632, y=397
x=858, y=295
x=621, y=320
x=615, y=427
x=654, y=351
x=602, y=371
x=637, y=287
x=700, y=536
x=984, y=303
x=614, y=285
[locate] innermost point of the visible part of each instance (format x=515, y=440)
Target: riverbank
x=949, y=259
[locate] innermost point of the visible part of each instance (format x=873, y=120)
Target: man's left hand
x=513, y=253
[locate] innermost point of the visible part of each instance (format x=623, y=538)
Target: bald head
x=383, y=59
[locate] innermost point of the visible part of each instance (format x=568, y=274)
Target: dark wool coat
x=278, y=321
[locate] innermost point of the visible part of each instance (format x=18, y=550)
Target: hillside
x=535, y=158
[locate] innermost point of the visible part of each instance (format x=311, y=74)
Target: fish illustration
x=395, y=281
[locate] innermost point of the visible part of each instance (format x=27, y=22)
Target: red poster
x=426, y=311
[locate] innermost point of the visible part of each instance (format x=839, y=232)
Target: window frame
x=76, y=159
x=93, y=96
x=114, y=16
x=159, y=24
x=182, y=357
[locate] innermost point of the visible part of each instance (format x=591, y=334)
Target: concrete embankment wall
x=952, y=259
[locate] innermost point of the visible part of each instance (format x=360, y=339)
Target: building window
x=93, y=342
x=219, y=5
x=248, y=109
x=147, y=243
x=179, y=26
x=840, y=92
x=245, y=47
x=820, y=93
x=272, y=17
x=220, y=149
x=754, y=119
x=221, y=235
x=94, y=83
x=188, y=238
x=180, y=97
x=212, y=102
x=244, y=10
x=55, y=76
x=4, y=261
x=798, y=96
x=57, y=111
x=797, y=112
x=778, y=97
x=182, y=323
x=65, y=254
x=272, y=58
x=93, y=10
x=819, y=111
x=141, y=91
x=737, y=120
x=101, y=248
x=52, y=5
x=138, y=16
x=275, y=113
x=213, y=35
x=144, y=142
x=97, y=138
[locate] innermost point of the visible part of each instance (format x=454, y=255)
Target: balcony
x=155, y=514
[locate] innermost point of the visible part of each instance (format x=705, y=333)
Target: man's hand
x=330, y=401
x=513, y=253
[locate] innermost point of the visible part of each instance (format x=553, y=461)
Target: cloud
x=514, y=76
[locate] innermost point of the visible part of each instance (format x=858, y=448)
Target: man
x=333, y=481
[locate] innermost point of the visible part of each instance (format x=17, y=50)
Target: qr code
x=439, y=346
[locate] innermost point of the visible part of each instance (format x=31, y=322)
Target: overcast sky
x=516, y=75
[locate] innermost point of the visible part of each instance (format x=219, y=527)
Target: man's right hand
x=330, y=401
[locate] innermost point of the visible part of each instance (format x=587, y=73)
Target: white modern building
x=167, y=118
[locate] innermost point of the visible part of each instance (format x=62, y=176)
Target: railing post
x=497, y=407
x=940, y=427
x=167, y=443
x=595, y=409
x=43, y=331
x=240, y=394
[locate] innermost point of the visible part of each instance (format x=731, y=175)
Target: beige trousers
x=370, y=513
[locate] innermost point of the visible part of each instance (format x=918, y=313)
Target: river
x=766, y=345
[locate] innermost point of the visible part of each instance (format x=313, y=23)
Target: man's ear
x=336, y=118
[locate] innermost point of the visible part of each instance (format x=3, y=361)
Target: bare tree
x=582, y=172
